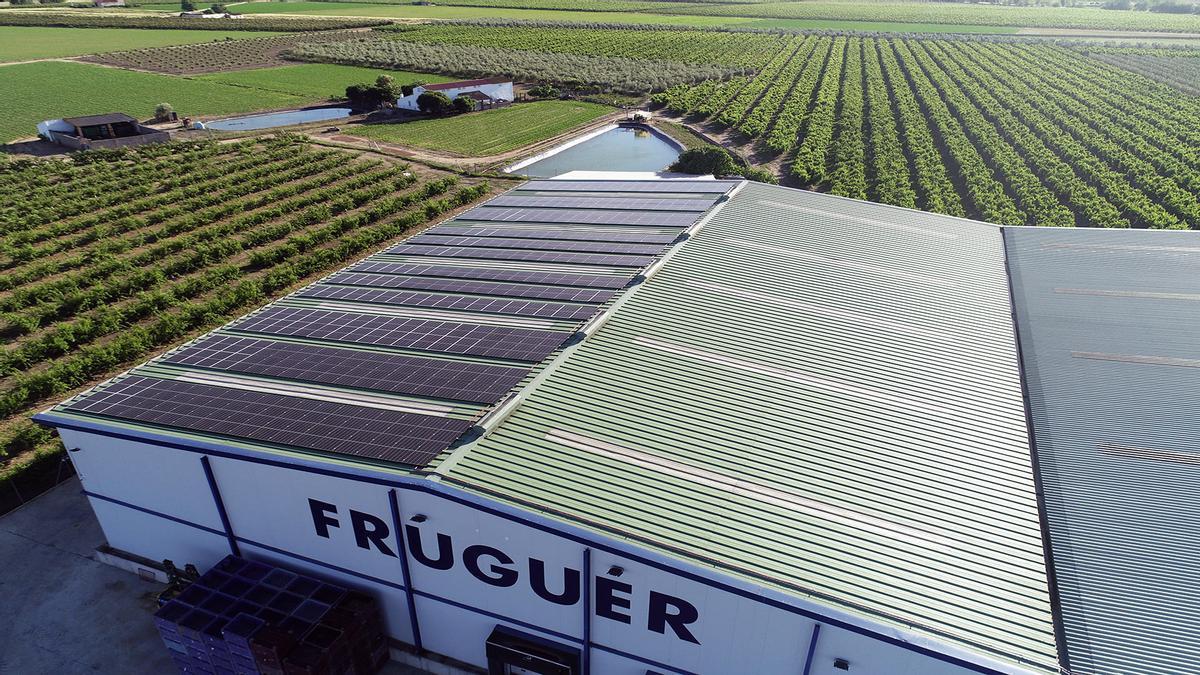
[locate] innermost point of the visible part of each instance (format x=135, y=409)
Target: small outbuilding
x=110, y=130
x=492, y=92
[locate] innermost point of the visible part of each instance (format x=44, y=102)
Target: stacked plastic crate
x=246, y=618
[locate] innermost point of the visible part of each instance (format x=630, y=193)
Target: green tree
x=187, y=5
x=434, y=102
x=463, y=104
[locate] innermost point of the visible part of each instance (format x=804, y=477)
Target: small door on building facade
x=512, y=652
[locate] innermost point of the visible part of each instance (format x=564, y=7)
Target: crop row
x=739, y=49
x=196, y=269
x=223, y=56
x=1030, y=134
x=952, y=13
x=571, y=70
x=251, y=23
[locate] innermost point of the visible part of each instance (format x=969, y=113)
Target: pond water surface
x=278, y=119
x=620, y=149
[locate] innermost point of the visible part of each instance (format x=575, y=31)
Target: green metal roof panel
x=1110, y=323
x=817, y=393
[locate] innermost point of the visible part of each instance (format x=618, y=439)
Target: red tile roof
x=465, y=83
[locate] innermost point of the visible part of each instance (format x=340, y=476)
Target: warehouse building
x=699, y=426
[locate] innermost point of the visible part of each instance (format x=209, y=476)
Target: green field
x=441, y=12
x=490, y=132
x=40, y=91
x=21, y=43
x=313, y=80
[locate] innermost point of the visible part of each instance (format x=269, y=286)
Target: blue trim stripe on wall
x=812, y=648
x=487, y=506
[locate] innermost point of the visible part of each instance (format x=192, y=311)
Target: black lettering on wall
x=504, y=576
x=321, y=515
x=571, y=585
x=445, y=558
x=683, y=613
x=607, y=602
x=370, y=530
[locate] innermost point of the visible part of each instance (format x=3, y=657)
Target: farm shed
x=112, y=130
x=494, y=92
x=698, y=426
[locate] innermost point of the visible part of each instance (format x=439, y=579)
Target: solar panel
x=680, y=186
x=571, y=202
x=433, y=378
x=531, y=308
x=592, y=217
x=497, y=274
x=573, y=233
x=446, y=337
x=538, y=244
x=713, y=187
x=503, y=290
x=341, y=428
x=535, y=256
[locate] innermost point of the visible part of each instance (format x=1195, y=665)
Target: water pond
x=617, y=149
x=278, y=119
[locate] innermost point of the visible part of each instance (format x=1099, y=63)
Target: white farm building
x=495, y=91
x=698, y=427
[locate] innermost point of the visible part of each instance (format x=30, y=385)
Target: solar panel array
x=501, y=289
x=341, y=428
x=545, y=310
x=354, y=368
x=537, y=244
x=717, y=187
x=499, y=274
x=443, y=337
x=460, y=315
x=582, y=216
x=572, y=234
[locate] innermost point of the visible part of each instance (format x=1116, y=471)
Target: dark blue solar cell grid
x=573, y=233
x=441, y=239
x=503, y=290
x=447, y=337
x=530, y=308
x=498, y=274
x=532, y=256
x=395, y=373
x=570, y=202
x=678, y=186
x=341, y=428
x=593, y=217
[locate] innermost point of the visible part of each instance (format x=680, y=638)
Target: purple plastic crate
x=286, y=602
x=254, y=571
x=303, y=586
x=236, y=586
x=270, y=616
x=230, y=564
x=242, y=628
x=311, y=611
x=218, y=603
x=167, y=617
x=192, y=625
x=193, y=595
x=213, y=579
x=279, y=578
x=329, y=594
x=260, y=595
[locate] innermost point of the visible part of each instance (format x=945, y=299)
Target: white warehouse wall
x=155, y=501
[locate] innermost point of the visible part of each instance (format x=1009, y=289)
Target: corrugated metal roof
x=817, y=393
x=1110, y=329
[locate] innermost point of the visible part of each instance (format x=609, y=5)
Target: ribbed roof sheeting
x=1110, y=335
x=819, y=394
